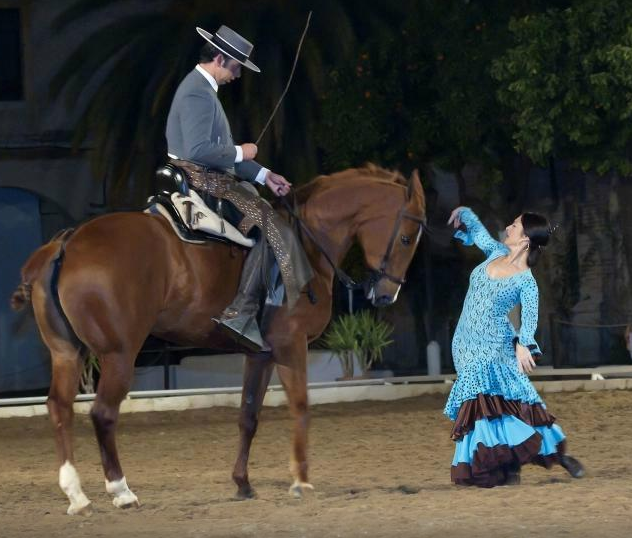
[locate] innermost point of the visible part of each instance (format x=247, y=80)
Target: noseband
x=375, y=275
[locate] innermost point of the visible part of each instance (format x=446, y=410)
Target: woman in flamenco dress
x=500, y=421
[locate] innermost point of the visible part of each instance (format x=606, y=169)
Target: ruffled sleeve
x=476, y=234
x=529, y=315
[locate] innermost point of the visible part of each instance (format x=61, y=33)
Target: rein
x=343, y=277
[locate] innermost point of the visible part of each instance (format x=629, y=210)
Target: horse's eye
x=405, y=240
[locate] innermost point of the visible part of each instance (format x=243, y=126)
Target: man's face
x=229, y=70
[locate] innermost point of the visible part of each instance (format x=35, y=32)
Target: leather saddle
x=191, y=219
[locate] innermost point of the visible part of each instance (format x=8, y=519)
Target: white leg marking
x=71, y=485
x=123, y=496
x=296, y=489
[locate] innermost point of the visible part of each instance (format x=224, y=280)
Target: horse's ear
x=414, y=183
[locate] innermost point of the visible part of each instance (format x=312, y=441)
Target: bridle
x=374, y=275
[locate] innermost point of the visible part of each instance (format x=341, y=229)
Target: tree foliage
x=567, y=81
x=423, y=94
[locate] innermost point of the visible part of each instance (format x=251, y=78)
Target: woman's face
x=515, y=233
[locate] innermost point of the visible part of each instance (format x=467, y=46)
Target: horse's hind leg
x=66, y=365
x=67, y=354
x=257, y=374
x=114, y=382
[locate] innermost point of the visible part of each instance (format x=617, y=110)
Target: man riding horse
x=200, y=142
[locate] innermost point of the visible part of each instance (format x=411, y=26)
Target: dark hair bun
x=538, y=229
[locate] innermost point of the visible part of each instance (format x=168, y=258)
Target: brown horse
x=124, y=276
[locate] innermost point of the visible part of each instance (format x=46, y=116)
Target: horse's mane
x=368, y=171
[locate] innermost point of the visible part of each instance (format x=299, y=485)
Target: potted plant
x=342, y=339
x=90, y=367
x=373, y=338
x=360, y=337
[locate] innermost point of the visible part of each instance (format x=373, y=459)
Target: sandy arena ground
x=380, y=469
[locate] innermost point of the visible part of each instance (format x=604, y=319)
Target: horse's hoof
x=297, y=489
x=127, y=500
x=245, y=493
x=80, y=509
x=123, y=496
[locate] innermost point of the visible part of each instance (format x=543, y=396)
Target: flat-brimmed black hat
x=232, y=44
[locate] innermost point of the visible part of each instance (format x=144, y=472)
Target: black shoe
x=244, y=330
x=513, y=479
x=512, y=474
x=573, y=466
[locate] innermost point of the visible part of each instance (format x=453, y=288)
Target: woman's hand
x=526, y=364
x=454, y=217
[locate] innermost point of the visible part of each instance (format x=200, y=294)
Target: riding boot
x=239, y=320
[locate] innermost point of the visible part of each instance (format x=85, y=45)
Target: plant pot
x=354, y=377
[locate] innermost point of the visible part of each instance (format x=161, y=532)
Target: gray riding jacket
x=198, y=130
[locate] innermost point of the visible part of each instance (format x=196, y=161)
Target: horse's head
x=389, y=232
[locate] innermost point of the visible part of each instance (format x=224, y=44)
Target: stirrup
x=245, y=330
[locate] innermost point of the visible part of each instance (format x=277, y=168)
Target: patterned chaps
x=247, y=210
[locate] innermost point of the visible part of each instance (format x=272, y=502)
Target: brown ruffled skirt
x=490, y=465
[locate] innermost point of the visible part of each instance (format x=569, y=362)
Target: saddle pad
x=159, y=209
x=207, y=221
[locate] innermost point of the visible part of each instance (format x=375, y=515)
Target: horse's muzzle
x=383, y=300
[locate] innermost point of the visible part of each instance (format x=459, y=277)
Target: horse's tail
x=35, y=267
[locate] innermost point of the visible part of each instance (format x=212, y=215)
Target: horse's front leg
x=292, y=370
x=257, y=374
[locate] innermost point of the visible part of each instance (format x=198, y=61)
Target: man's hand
x=526, y=364
x=250, y=151
x=278, y=184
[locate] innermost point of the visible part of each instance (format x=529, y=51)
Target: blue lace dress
x=500, y=421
